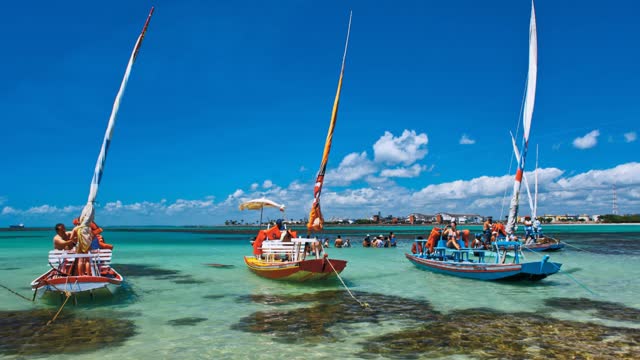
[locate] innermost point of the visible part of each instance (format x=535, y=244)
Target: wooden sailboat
x=84, y=269
x=286, y=259
x=471, y=263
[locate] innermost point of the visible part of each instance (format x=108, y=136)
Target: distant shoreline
x=253, y=228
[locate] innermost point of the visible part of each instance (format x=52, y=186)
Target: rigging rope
x=363, y=304
x=524, y=97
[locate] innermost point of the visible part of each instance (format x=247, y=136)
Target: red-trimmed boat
x=83, y=269
x=287, y=260
x=64, y=276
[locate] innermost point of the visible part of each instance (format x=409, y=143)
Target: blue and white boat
x=473, y=264
x=470, y=263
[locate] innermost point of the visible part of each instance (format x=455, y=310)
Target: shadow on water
x=479, y=333
x=26, y=333
x=186, y=321
x=122, y=295
x=139, y=270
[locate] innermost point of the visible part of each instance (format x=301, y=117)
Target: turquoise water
x=191, y=310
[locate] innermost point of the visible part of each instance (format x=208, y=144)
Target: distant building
x=421, y=218
x=459, y=218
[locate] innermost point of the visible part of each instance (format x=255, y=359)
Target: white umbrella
x=261, y=203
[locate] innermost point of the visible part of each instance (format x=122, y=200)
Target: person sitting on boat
x=338, y=242
x=499, y=229
x=487, y=229
x=392, y=239
x=451, y=233
x=98, y=240
x=366, y=242
x=62, y=240
x=477, y=242
x=416, y=247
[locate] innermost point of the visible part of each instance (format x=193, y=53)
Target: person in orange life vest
x=416, y=248
x=98, y=239
x=434, y=236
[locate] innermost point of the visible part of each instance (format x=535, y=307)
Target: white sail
x=516, y=152
x=527, y=116
x=87, y=214
x=534, y=212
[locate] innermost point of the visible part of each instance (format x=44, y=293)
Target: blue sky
x=231, y=100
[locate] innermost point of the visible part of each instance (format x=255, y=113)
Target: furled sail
x=316, y=221
x=527, y=116
x=87, y=214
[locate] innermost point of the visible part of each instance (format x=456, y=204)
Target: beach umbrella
x=260, y=204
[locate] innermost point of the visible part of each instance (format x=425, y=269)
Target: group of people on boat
x=532, y=230
x=380, y=241
x=72, y=241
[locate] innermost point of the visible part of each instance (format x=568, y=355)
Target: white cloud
x=267, y=184
x=466, y=140
x=254, y=186
x=405, y=149
x=625, y=174
x=237, y=193
x=588, y=141
x=353, y=167
x=8, y=210
x=410, y=172
x=630, y=136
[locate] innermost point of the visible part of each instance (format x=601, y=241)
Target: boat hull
x=305, y=270
x=544, y=247
x=53, y=280
x=532, y=271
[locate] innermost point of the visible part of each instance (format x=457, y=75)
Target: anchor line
x=363, y=304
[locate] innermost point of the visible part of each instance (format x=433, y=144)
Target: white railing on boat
x=99, y=259
x=293, y=250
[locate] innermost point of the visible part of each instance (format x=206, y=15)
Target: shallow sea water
x=176, y=306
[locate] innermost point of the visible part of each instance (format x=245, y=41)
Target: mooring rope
x=68, y=294
x=363, y=304
x=581, y=249
x=567, y=275
x=24, y=297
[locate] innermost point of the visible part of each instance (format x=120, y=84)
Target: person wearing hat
x=367, y=241
x=528, y=230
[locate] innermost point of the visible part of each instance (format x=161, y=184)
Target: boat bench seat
x=57, y=257
x=272, y=248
